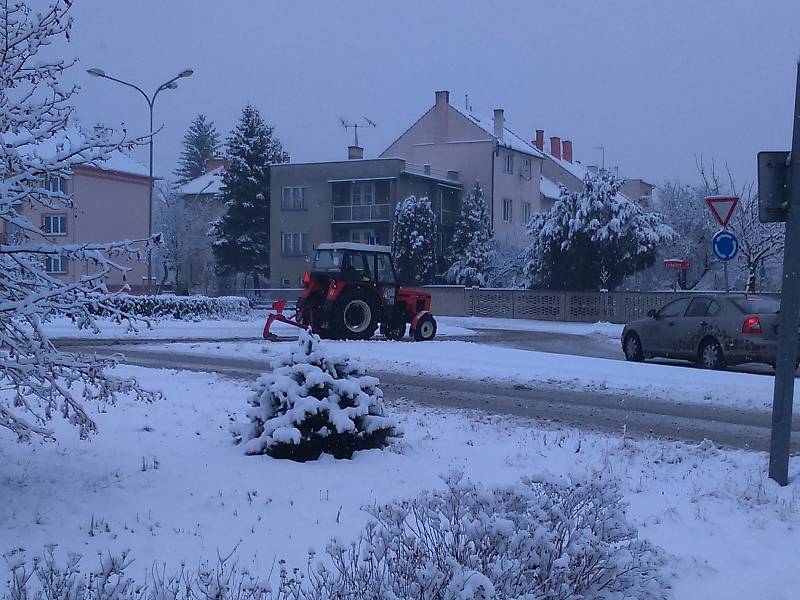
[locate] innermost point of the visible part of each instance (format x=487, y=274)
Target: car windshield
x=328, y=261
x=758, y=305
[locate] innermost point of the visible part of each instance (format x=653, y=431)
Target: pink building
x=509, y=168
x=109, y=204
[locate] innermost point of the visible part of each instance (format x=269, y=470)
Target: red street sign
x=676, y=264
x=722, y=208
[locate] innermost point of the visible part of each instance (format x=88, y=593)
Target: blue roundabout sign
x=725, y=245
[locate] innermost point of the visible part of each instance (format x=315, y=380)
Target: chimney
x=442, y=97
x=539, y=141
x=566, y=150
x=555, y=146
x=355, y=153
x=452, y=174
x=499, y=123
x=426, y=169
x=216, y=163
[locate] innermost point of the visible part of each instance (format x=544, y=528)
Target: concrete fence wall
x=588, y=307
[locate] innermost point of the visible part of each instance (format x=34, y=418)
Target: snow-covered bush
x=183, y=307
x=588, y=232
x=414, y=241
x=310, y=404
x=471, y=251
x=543, y=538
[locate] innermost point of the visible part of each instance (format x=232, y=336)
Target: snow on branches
x=471, y=250
x=36, y=379
x=309, y=404
x=595, y=232
x=414, y=241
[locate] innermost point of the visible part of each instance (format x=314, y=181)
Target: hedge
x=183, y=307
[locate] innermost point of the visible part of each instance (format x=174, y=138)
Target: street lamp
x=169, y=85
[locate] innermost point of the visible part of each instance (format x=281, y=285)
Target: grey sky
x=656, y=83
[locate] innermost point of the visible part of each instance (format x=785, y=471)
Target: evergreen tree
x=471, y=250
x=592, y=239
x=414, y=241
x=200, y=143
x=243, y=232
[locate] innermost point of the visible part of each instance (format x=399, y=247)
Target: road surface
x=616, y=413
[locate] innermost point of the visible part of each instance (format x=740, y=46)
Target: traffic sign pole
x=789, y=317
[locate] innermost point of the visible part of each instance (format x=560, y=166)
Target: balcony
x=361, y=213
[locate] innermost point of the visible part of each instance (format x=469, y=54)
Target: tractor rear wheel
x=425, y=329
x=354, y=316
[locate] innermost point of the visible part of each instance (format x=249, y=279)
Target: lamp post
x=169, y=85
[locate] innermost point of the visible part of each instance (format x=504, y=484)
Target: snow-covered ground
x=610, y=330
x=480, y=362
x=165, y=481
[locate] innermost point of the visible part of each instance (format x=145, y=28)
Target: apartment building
x=480, y=148
x=352, y=200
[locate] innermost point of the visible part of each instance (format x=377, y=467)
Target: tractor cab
x=351, y=289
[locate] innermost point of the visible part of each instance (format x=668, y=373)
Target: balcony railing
x=361, y=213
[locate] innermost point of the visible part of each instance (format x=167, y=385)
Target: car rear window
x=757, y=305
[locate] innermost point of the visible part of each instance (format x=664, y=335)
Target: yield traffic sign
x=722, y=208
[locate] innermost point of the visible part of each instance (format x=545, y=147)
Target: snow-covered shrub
x=310, y=404
x=183, y=307
x=47, y=577
x=414, y=241
x=543, y=538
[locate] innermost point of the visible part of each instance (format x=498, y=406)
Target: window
x=362, y=193
x=54, y=224
x=698, y=307
x=55, y=184
x=384, y=269
x=55, y=264
x=293, y=244
x=507, y=210
x=363, y=235
x=674, y=309
x=294, y=198
x=508, y=164
x=758, y=305
x=713, y=309
x=526, y=213
x=355, y=267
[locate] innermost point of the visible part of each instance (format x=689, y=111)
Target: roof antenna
x=467, y=107
x=355, y=125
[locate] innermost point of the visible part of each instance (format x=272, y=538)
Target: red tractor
x=350, y=290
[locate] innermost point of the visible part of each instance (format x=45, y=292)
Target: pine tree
x=310, y=403
x=591, y=232
x=200, y=143
x=471, y=250
x=243, y=232
x=414, y=241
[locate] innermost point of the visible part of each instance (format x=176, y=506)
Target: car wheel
x=711, y=356
x=425, y=329
x=355, y=317
x=632, y=347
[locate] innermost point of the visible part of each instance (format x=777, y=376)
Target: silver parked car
x=713, y=331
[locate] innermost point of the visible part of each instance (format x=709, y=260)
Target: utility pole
x=789, y=315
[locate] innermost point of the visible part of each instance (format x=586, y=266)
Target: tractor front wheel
x=354, y=316
x=425, y=328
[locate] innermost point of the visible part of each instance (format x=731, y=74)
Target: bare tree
x=36, y=379
x=759, y=243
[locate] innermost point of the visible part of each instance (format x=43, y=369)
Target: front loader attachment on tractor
x=277, y=315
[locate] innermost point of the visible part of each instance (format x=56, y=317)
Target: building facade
x=351, y=200
x=109, y=204
x=479, y=148
x=200, y=205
